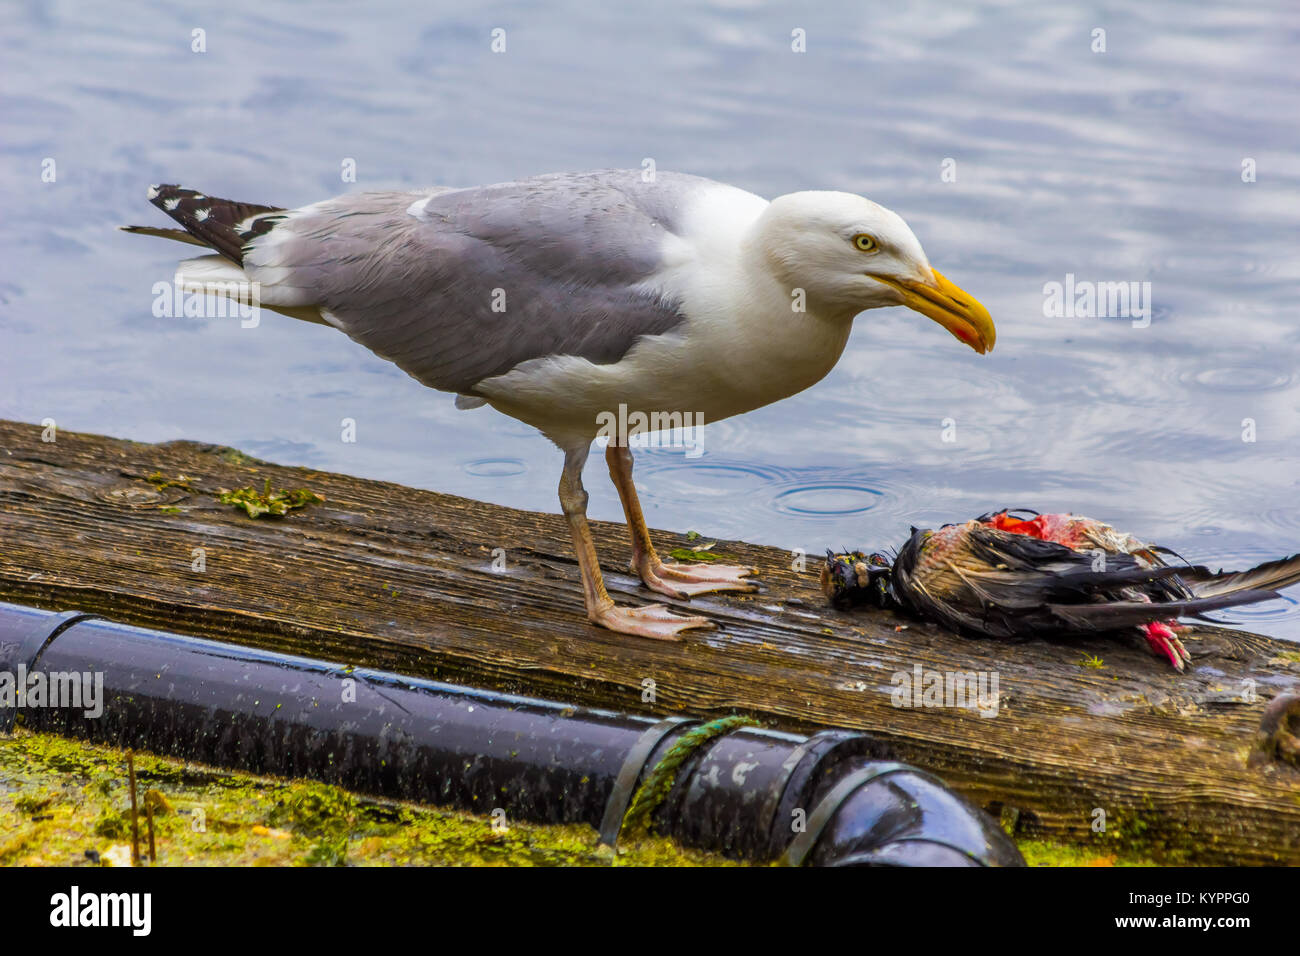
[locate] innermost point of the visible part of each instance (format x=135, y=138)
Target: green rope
x=660, y=780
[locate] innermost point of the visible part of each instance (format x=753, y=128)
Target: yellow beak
x=947, y=304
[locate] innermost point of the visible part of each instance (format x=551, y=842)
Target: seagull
x=560, y=298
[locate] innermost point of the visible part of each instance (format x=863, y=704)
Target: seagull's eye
x=864, y=242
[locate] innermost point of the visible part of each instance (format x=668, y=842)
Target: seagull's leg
x=654, y=620
x=675, y=580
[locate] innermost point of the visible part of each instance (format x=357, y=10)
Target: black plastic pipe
x=750, y=793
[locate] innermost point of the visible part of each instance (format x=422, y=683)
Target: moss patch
x=161, y=481
x=698, y=552
x=1041, y=853
x=63, y=802
x=268, y=502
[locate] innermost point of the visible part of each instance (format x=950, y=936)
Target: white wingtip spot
x=170, y=204
x=152, y=194
x=201, y=214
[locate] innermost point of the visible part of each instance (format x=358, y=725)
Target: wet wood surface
x=412, y=581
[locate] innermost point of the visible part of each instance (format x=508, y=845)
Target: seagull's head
x=849, y=254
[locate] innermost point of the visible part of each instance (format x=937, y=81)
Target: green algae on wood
x=699, y=552
x=65, y=803
x=162, y=482
x=1043, y=853
x=688, y=554
x=267, y=502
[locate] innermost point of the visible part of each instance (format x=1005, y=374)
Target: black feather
x=1269, y=576
x=214, y=221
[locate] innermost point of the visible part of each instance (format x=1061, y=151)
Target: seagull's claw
x=653, y=620
x=688, y=580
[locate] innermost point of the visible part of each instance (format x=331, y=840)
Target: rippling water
x=1121, y=166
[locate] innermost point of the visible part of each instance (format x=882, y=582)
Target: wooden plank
x=394, y=577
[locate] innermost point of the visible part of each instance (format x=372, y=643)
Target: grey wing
x=456, y=286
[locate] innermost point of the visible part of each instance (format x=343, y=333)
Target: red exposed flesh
x=1063, y=529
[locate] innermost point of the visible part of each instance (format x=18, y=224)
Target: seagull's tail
x=180, y=235
x=222, y=225
x=225, y=227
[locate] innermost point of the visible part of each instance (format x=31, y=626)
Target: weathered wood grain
x=393, y=577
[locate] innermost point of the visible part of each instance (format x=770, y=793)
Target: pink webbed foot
x=653, y=620
x=1165, y=643
x=688, y=580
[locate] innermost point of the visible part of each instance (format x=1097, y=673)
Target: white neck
x=755, y=347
